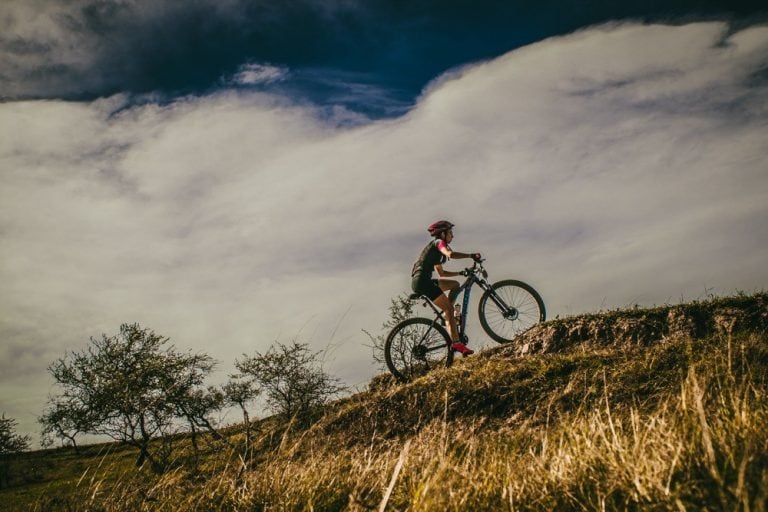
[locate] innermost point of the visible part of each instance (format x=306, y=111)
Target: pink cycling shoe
x=462, y=349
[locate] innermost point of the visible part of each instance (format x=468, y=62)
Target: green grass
x=677, y=424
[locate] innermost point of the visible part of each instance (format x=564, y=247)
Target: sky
x=234, y=173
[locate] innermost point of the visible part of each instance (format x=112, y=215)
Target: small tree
x=291, y=377
x=240, y=390
x=131, y=388
x=400, y=308
x=10, y=444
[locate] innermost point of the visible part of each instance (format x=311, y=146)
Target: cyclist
x=432, y=258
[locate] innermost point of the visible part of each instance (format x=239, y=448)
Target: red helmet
x=439, y=227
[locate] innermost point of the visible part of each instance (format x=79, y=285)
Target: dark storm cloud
x=84, y=49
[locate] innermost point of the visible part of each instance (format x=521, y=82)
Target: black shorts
x=427, y=287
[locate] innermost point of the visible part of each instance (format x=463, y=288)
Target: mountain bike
x=506, y=309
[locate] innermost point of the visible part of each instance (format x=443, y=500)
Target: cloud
x=257, y=74
x=621, y=164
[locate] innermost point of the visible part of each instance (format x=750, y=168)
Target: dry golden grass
x=677, y=427
x=672, y=420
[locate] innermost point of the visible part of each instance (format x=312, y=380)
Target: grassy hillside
x=641, y=409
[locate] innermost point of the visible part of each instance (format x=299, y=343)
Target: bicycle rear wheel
x=415, y=346
x=509, y=309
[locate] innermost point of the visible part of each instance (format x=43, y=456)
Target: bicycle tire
x=415, y=346
x=526, y=310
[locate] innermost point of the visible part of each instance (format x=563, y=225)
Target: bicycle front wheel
x=416, y=346
x=509, y=309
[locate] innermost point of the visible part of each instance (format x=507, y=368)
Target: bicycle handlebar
x=476, y=267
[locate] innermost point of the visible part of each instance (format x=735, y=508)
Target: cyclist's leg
x=445, y=304
x=451, y=287
x=448, y=286
x=432, y=289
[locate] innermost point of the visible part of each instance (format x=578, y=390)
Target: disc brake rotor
x=512, y=314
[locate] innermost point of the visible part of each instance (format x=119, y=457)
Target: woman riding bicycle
x=432, y=258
